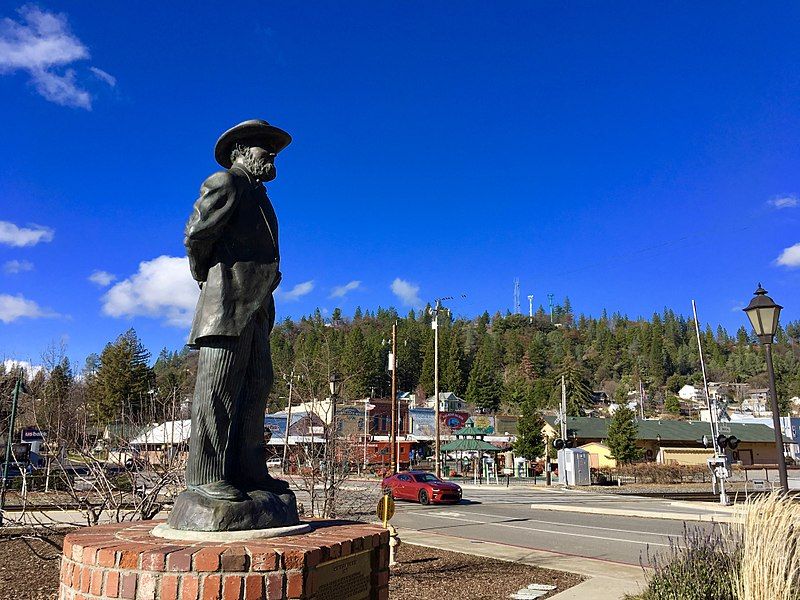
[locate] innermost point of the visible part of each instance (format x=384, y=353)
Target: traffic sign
x=385, y=508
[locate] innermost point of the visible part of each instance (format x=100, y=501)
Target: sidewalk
x=606, y=580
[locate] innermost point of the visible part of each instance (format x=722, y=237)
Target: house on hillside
x=675, y=441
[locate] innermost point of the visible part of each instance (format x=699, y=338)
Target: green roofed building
x=679, y=442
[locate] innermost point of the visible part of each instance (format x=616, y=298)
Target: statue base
x=262, y=510
x=335, y=560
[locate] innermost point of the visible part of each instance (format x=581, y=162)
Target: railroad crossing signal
x=560, y=444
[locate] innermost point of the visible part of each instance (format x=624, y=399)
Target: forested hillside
x=500, y=363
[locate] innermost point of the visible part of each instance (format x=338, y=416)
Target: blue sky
x=630, y=156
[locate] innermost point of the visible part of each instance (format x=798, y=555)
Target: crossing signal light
x=560, y=444
x=724, y=441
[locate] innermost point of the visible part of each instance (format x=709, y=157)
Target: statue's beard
x=263, y=170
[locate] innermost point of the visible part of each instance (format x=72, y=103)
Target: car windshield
x=426, y=478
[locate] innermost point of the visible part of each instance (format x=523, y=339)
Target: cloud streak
x=102, y=278
x=781, y=202
x=13, y=308
x=406, y=292
x=12, y=267
x=41, y=44
x=297, y=292
x=19, y=237
x=790, y=257
x=161, y=288
x=340, y=291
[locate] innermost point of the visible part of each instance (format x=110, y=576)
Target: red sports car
x=421, y=486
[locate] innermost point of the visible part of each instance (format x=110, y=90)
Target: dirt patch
x=430, y=574
x=29, y=568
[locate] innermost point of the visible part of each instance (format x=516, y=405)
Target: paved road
x=506, y=516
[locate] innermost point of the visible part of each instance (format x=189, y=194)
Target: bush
x=661, y=473
x=701, y=568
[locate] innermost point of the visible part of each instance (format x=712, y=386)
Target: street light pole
x=776, y=420
x=438, y=438
x=395, y=460
x=288, y=425
x=764, y=314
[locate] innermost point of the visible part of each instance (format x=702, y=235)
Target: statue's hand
x=200, y=284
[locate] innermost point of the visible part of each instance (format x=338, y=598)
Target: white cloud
x=340, y=291
x=30, y=369
x=297, y=292
x=103, y=76
x=102, y=278
x=407, y=292
x=162, y=288
x=12, y=267
x=42, y=45
x=780, y=202
x=790, y=257
x=18, y=307
x=13, y=235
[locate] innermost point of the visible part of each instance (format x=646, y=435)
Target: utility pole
x=516, y=295
x=395, y=460
x=563, y=409
x=437, y=432
x=10, y=434
x=530, y=308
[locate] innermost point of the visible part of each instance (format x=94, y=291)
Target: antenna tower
x=530, y=308
x=516, y=295
x=550, y=300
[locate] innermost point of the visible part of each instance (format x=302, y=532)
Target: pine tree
x=622, y=434
x=452, y=367
x=484, y=388
x=530, y=441
x=123, y=380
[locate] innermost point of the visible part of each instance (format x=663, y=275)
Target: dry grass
x=770, y=563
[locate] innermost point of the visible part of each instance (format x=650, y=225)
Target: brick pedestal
x=125, y=561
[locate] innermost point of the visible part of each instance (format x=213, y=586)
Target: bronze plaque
x=348, y=578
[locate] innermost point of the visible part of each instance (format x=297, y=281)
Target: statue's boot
x=219, y=490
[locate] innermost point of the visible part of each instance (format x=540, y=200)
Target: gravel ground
x=29, y=571
x=429, y=574
x=29, y=568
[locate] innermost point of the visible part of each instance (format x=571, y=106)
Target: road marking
x=556, y=523
x=583, y=535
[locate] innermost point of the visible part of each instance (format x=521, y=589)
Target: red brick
x=275, y=586
x=128, y=586
x=154, y=561
x=77, y=553
x=383, y=578
x=86, y=575
x=297, y=559
x=232, y=587
x=169, y=587
x=180, y=560
x=68, y=546
x=383, y=593
x=254, y=587
x=383, y=558
x=107, y=557
x=212, y=585
x=264, y=560
x=112, y=584
x=147, y=587
x=234, y=559
x=357, y=544
x=190, y=587
x=294, y=584
x=96, y=583
x=129, y=557
x=207, y=559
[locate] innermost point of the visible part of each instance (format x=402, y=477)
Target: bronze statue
x=232, y=244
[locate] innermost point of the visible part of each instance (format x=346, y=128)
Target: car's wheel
x=423, y=497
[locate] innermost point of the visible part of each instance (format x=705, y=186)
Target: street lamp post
x=764, y=313
x=335, y=383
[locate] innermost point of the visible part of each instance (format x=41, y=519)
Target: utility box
x=573, y=467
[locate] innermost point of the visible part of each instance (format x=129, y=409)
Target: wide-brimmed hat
x=254, y=130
